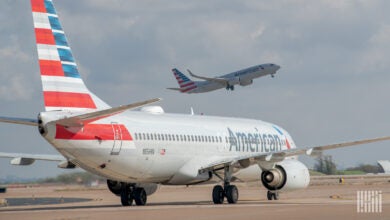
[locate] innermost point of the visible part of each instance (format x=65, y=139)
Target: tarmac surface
x=325, y=198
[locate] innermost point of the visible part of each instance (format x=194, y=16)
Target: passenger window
x=173, y=137
x=143, y=135
x=212, y=138
x=220, y=139
x=202, y=138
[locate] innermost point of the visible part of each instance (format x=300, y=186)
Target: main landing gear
x=272, y=195
x=229, y=87
x=130, y=193
x=228, y=191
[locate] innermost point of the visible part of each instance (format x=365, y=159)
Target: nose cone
x=275, y=67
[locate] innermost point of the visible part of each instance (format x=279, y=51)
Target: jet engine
x=234, y=81
x=116, y=187
x=287, y=175
x=245, y=82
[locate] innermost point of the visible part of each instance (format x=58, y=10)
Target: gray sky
x=333, y=86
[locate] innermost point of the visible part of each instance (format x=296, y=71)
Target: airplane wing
x=22, y=121
x=217, y=80
x=274, y=157
x=27, y=159
x=80, y=120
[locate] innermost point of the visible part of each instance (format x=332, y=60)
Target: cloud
x=333, y=84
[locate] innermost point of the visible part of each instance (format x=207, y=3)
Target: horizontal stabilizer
x=80, y=120
x=21, y=121
x=176, y=89
x=28, y=159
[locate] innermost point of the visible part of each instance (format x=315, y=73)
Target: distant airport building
x=385, y=165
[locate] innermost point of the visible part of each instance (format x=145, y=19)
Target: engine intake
x=274, y=179
x=287, y=175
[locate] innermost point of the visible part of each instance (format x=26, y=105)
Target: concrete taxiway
x=325, y=198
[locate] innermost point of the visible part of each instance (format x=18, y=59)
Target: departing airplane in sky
x=137, y=150
x=242, y=77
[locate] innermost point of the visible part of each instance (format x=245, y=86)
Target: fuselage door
x=117, y=140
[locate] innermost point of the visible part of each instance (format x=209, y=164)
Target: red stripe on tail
x=44, y=36
x=38, y=6
x=68, y=99
x=51, y=68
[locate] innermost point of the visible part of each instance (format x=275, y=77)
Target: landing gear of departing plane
x=272, y=75
x=228, y=191
x=130, y=193
x=230, y=87
x=272, y=195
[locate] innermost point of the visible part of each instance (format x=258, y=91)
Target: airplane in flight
x=137, y=150
x=242, y=77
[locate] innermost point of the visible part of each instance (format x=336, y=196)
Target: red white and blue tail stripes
x=186, y=85
x=63, y=88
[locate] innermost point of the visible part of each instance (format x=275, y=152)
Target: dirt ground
x=325, y=198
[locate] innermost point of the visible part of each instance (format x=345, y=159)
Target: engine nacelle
x=245, y=82
x=116, y=187
x=234, y=81
x=287, y=175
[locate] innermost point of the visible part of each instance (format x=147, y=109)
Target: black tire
x=126, y=196
x=114, y=187
x=276, y=195
x=218, y=194
x=140, y=196
x=269, y=195
x=232, y=194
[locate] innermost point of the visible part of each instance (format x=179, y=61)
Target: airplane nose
x=277, y=67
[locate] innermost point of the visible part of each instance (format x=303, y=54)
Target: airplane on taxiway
x=242, y=77
x=137, y=150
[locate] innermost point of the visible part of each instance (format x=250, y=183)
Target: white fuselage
x=163, y=148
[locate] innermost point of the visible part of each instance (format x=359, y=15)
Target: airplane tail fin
x=185, y=83
x=63, y=88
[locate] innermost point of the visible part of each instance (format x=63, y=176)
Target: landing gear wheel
x=272, y=195
x=218, y=194
x=126, y=196
x=276, y=196
x=232, y=194
x=140, y=196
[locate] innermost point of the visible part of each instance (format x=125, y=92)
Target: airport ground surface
x=324, y=199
